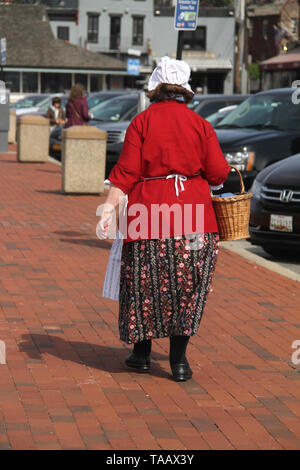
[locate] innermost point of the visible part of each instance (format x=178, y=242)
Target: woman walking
x=77, y=111
x=170, y=157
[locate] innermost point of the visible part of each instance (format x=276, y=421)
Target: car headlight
x=256, y=189
x=242, y=160
x=122, y=136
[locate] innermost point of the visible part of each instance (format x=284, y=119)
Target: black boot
x=179, y=365
x=140, y=357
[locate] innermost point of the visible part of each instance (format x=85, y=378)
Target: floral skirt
x=164, y=286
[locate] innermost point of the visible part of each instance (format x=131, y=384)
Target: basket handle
x=242, y=186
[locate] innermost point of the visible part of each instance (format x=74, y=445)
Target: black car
x=275, y=207
x=260, y=131
x=205, y=105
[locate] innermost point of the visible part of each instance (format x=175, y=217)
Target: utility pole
x=240, y=20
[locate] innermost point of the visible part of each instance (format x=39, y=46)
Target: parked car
x=114, y=116
x=205, y=105
x=42, y=109
x=275, y=207
x=217, y=117
x=260, y=131
x=30, y=103
x=96, y=98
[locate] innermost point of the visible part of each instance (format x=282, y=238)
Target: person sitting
x=55, y=113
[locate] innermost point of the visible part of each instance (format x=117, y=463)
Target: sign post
x=186, y=16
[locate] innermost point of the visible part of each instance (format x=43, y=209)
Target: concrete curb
x=271, y=265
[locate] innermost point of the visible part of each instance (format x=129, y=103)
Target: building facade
x=36, y=61
x=273, y=28
x=209, y=50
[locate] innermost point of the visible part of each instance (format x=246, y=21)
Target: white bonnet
x=172, y=71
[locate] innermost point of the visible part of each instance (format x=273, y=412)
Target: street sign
x=186, y=15
x=3, y=51
x=133, y=66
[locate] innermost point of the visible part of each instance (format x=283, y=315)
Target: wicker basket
x=233, y=213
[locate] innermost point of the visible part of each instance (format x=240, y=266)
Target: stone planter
x=33, y=139
x=83, y=160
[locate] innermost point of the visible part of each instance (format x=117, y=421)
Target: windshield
x=44, y=105
x=193, y=104
x=273, y=111
x=30, y=101
x=114, y=109
x=94, y=100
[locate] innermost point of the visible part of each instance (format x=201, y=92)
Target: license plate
x=281, y=223
x=56, y=147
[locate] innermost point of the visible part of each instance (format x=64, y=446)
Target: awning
x=207, y=64
x=143, y=70
x=50, y=70
x=283, y=62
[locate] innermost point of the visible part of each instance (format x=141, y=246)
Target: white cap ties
x=179, y=178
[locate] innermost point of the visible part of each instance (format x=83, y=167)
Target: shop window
x=115, y=32
x=55, y=82
x=195, y=40
x=30, y=82
x=93, y=27
x=138, y=31
x=12, y=81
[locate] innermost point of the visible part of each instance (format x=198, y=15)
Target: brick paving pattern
x=65, y=385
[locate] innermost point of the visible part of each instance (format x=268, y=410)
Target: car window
x=114, y=109
x=210, y=107
x=262, y=111
x=131, y=114
x=29, y=102
x=193, y=104
x=94, y=100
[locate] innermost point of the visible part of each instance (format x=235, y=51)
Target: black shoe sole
x=181, y=375
x=181, y=378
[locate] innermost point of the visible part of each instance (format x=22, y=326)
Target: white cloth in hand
x=104, y=225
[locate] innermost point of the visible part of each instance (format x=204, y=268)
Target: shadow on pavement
x=50, y=171
x=70, y=233
x=96, y=243
x=59, y=191
x=109, y=359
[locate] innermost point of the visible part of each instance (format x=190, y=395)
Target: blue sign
x=133, y=66
x=186, y=14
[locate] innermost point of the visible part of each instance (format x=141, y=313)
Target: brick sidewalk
x=65, y=385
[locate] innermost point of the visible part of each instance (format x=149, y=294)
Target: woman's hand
x=104, y=225
x=108, y=212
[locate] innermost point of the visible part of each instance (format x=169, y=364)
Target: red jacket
x=77, y=112
x=169, y=138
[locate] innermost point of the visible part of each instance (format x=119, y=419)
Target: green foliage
x=254, y=72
